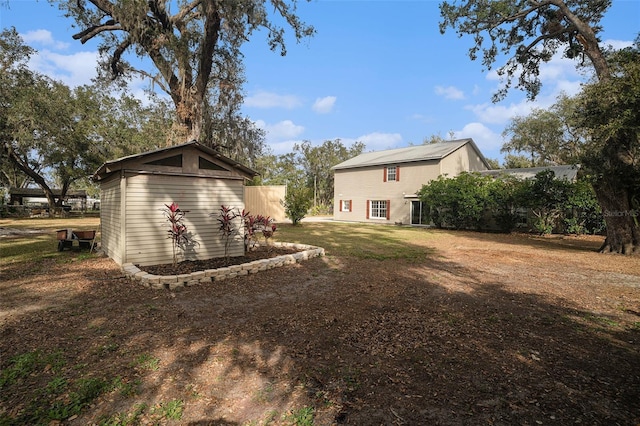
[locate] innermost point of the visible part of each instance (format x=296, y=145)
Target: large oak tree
x=194, y=46
x=55, y=136
x=529, y=33
x=549, y=136
x=45, y=126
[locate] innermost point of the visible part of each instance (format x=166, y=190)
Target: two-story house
x=381, y=186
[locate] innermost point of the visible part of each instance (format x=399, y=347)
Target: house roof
x=434, y=151
x=569, y=172
x=106, y=168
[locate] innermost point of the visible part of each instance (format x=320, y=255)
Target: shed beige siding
x=266, y=200
x=146, y=225
x=110, y=200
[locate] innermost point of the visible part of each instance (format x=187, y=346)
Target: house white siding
x=148, y=241
x=110, y=223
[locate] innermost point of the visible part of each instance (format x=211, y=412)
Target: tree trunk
x=623, y=232
x=189, y=108
x=37, y=178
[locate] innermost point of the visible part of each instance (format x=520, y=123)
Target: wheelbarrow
x=66, y=238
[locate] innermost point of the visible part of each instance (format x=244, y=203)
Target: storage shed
x=135, y=189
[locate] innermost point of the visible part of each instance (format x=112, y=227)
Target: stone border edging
x=210, y=275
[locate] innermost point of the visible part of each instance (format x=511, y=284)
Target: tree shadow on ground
x=359, y=339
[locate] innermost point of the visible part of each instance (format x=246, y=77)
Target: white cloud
x=282, y=130
x=449, y=92
x=324, y=105
x=488, y=141
x=561, y=74
x=499, y=114
x=43, y=38
x=263, y=99
x=558, y=68
x=373, y=141
x=73, y=70
x=378, y=141
x=284, y=147
x=617, y=44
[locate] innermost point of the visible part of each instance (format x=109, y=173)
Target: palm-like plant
x=177, y=229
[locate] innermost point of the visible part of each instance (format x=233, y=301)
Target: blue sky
x=378, y=72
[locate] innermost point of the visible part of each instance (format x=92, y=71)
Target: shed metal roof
x=434, y=151
x=110, y=165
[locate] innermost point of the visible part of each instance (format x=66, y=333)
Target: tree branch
x=117, y=55
x=209, y=42
x=156, y=79
x=547, y=36
x=184, y=11
x=587, y=37
x=91, y=32
x=159, y=12
x=26, y=169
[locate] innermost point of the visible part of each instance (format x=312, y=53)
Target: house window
x=378, y=209
x=391, y=174
x=345, y=205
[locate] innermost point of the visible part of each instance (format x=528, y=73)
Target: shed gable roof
x=434, y=151
x=110, y=167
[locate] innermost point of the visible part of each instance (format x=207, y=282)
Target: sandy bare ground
x=468, y=329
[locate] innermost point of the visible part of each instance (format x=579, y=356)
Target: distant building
x=569, y=173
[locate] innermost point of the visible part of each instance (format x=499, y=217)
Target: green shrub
x=297, y=202
x=473, y=201
x=459, y=202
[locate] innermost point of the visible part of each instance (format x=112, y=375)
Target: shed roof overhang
x=110, y=167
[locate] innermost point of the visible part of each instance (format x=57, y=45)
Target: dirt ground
x=484, y=329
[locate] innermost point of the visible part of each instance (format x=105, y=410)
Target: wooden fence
x=265, y=200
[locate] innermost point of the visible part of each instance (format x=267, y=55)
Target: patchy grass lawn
x=394, y=325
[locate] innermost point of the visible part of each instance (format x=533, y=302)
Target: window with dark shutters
x=345, y=205
x=378, y=209
x=390, y=174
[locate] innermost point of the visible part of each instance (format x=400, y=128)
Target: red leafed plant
x=226, y=217
x=256, y=225
x=177, y=229
x=268, y=229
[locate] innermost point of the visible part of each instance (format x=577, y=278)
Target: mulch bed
x=189, y=266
